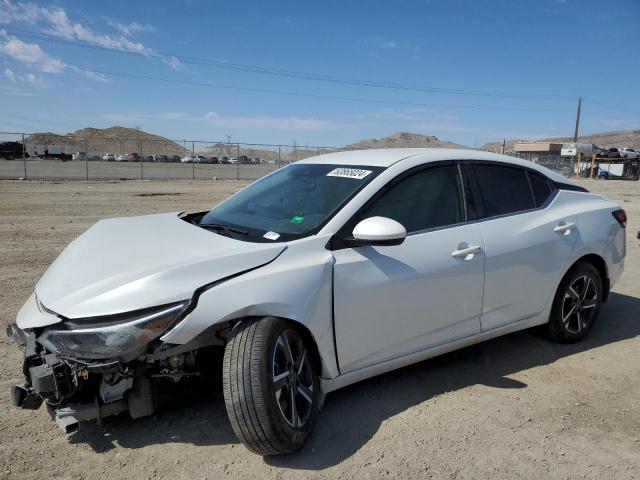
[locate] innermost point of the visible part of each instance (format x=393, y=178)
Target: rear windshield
x=293, y=202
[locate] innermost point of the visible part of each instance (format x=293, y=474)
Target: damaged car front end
x=92, y=368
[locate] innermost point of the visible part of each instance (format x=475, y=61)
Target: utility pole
x=504, y=141
x=575, y=132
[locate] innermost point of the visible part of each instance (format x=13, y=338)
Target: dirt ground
x=514, y=407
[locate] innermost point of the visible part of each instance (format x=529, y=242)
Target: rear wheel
x=576, y=305
x=271, y=386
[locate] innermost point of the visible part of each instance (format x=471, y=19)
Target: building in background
x=548, y=148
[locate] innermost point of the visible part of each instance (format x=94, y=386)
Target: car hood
x=126, y=264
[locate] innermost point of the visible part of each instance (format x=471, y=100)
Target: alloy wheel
x=579, y=304
x=292, y=377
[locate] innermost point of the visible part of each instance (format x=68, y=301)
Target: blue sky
x=465, y=71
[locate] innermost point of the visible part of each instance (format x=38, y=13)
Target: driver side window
x=429, y=198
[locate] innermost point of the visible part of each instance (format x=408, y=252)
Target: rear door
x=529, y=234
x=394, y=300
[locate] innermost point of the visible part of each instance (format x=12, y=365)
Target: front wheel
x=576, y=305
x=271, y=386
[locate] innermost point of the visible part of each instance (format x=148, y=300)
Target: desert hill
x=620, y=139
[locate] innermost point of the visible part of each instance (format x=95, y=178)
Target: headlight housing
x=119, y=336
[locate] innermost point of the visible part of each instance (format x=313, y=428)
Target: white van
x=573, y=149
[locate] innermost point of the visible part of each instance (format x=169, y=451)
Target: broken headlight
x=118, y=336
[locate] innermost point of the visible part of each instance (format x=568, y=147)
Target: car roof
x=385, y=157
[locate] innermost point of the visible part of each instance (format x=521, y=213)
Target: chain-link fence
x=86, y=156
x=562, y=165
x=74, y=157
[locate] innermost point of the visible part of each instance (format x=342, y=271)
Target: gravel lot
x=514, y=407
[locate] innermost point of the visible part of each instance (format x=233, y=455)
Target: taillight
x=621, y=217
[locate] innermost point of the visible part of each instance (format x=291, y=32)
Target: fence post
x=578, y=167
x=193, y=161
x=24, y=157
x=279, y=154
x=238, y=162
x=86, y=159
x=141, y=161
x=593, y=162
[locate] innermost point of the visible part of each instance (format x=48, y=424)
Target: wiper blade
x=222, y=228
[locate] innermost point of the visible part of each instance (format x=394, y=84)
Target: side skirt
x=329, y=385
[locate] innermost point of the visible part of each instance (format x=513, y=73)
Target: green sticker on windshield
x=297, y=220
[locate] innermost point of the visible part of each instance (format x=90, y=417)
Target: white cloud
x=56, y=22
x=274, y=123
x=35, y=80
x=61, y=26
x=10, y=75
x=29, y=53
x=294, y=124
x=130, y=29
x=389, y=44
x=28, y=78
x=173, y=62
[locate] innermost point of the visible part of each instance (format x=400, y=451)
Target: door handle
x=564, y=228
x=467, y=252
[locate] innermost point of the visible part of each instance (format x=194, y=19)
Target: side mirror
x=380, y=231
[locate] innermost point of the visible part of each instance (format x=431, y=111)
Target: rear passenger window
x=540, y=188
x=503, y=189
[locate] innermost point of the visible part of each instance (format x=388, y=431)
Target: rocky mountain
x=404, y=140
x=114, y=140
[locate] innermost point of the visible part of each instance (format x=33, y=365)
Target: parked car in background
x=611, y=153
x=79, y=156
x=12, y=150
x=629, y=153
x=188, y=159
x=224, y=160
x=233, y=160
x=109, y=157
x=326, y=272
x=174, y=158
x=599, y=151
x=122, y=158
x=133, y=157
x=200, y=159
x=214, y=160
x=95, y=158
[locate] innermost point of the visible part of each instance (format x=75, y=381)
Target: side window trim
x=336, y=241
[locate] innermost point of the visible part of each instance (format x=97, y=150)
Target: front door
x=390, y=301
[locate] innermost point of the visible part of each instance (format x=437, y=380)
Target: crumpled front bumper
x=75, y=393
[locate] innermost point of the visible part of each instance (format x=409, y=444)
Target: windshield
x=293, y=202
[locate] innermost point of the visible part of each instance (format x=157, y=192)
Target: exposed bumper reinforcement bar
x=68, y=418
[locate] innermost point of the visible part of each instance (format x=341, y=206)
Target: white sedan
x=323, y=273
x=629, y=153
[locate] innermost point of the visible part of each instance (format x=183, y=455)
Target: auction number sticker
x=271, y=235
x=356, y=173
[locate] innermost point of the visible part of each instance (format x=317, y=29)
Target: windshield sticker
x=356, y=173
x=271, y=235
x=297, y=219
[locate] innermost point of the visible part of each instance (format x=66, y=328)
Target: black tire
x=259, y=412
x=576, y=304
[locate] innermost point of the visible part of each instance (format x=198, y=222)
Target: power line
x=294, y=74
x=284, y=92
